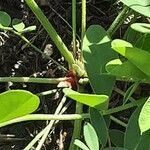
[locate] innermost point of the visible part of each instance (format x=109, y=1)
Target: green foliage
x=92, y=100
x=133, y=131
x=17, y=103
x=144, y=119
x=140, y=6
x=115, y=148
x=97, y=52
x=141, y=27
x=117, y=137
x=90, y=138
x=5, y=20
x=99, y=124
x=18, y=24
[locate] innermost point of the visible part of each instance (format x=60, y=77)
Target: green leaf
x=144, y=143
x=81, y=144
x=17, y=103
x=90, y=137
x=143, y=42
x=29, y=29
x=97, y=52
x=138, y=57
x=116, y=148
x=126, y=71
x=5, y=19
x=116, y=137
x=92, y=100
x=132, y=36
x=18, y=25
x=141, y=27
x=144, y=118
x=133, y=131
x=99, y=125
x=140, y=6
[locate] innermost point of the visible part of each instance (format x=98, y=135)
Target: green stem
x=51, y=31
x=37, y=49
x=32, y=80
x=122, y=107
x=74, y=26
x=123, y=93
x=83, y=23
x=47, y=92
x=118, y=121
x=43, y=117
x=83, y=26
x=77, y=127
x=118, y=21
x=60, y=106
x=130, y=91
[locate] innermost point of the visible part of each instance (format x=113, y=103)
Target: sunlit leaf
x=141, y=27
x=92, y=100
x=17, y=103
x=126, y=71
x=144, y=118
x=29, y=29
x=138, y=57
x=141, y=6
x=90, y=137
x=81, y=145
x=18, y=24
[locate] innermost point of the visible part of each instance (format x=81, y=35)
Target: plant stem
x=123, y=93
x=32, y=80
x=74, y=26
x=83, y=21
x=37, y=49
x=77, y=127
x=77, y=123
x=47, y=92
x=118, y=21
x=51, y=31
x=83, y=26
x=44, y=117
x=51, y=124
x=118, y=121
x=123, y=107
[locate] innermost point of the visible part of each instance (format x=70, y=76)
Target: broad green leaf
x=81, y=145
x=138, y=57
x=29, y=29
x=132, y=131
x=90, y=137
x=118, y=43
x=143, y=42
x=99, y=125
x=116, y=137
x=144, y=143
x=141, y=27
x=18, y=24
x=126, y=71
x=17, y=103
x=116, y=148
x=97, y=52
x=144, y=118
x=92, y=100
x=140, y=6
x=132, y=36
x=5, y=19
